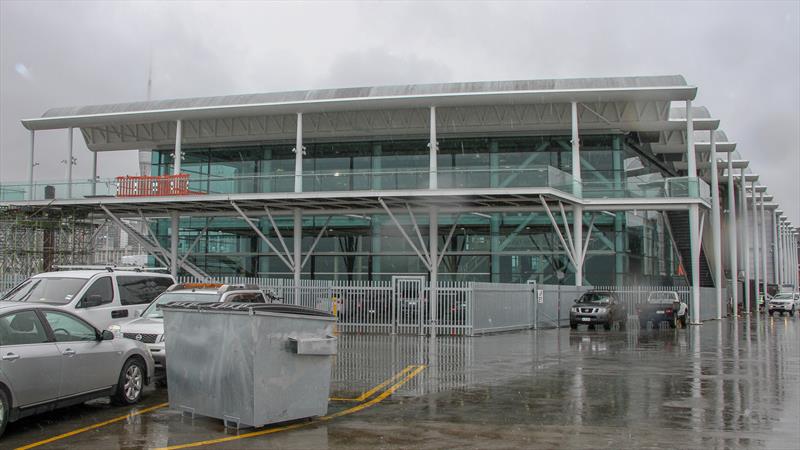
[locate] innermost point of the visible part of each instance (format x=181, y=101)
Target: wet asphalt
x=725, y=384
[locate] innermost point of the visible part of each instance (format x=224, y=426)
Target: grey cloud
x=743, y=56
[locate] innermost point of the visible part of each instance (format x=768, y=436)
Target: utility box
x=248, y=364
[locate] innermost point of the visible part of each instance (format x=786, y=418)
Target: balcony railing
x=362, y=180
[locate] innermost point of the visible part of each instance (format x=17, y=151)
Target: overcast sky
x=744, y=57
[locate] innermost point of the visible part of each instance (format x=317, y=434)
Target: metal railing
x=366, y=180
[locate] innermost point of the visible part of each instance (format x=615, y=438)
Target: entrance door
x=410, y=305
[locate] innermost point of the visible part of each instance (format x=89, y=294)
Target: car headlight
x=116, y=330
x=162, y=338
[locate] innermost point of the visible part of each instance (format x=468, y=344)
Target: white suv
x=102, y=297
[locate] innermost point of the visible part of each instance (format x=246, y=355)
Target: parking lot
x=733, y=383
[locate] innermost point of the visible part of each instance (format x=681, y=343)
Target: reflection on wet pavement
x=733, y=383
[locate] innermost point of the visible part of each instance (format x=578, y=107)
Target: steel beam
x=177, y=153
x=261, y=235
x=433, y=241
x=694, y=242
x=756, y=239
x=316, y=241
x=716, y=227
x=297, y=240
x=558, y=231
x=298, y=155
x=70, y=158
x=763, y=241
x=734, y=269
x=433, y=146
x=278, y=233
x=31, y=165
x=405, y=235
x=745, y=239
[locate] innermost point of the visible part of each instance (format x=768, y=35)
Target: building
x=578, y=181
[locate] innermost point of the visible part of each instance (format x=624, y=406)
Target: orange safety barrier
x=153, y=186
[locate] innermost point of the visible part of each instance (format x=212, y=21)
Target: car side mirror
x=106, y=335
x=92, y=301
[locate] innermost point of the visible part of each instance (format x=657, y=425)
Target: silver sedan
x=50, y=358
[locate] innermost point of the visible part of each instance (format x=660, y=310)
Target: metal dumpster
x=248, y=364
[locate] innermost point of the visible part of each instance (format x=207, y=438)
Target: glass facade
x=501, y=247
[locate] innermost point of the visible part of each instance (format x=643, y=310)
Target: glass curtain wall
x=499, y=247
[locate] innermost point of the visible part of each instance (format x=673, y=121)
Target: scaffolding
x=34, y=240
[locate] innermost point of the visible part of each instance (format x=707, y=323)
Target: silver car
x=783, y=303
x=51, y=358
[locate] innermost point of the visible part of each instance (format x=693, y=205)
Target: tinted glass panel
x=21, y=328
x=67, y=328
x=46, y=290
x=101, y=287
x=139, y=290
x=246, y=298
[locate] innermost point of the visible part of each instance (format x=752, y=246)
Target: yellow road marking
x=370, y=392
x=95, y=426
x=348, y=411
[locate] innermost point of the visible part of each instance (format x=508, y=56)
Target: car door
x=29, y=358
x=97, y=305
x=87, y=364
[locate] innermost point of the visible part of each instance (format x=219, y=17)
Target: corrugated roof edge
x=377, y=91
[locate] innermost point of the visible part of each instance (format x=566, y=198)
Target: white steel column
x=173, y=244
x=691, y=158
x=30, y=166
x=694, y=240
x=756, y=240
x=776, y=254
x=745, y=241
x=70, y=158
x=577, y=210
x=94, y=173
x=732, y=235
x=576, y=153
x=782, y=271
x=763, y=241
x=694, y=215
x=433, y=146
x=298, y=155
x=577, y=223
x=716, y=228
x=433, y=244
x=177, y=155
x=297, y=240
x=786, y=248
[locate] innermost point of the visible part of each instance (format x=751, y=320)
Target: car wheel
x=791, y=312
x=5, y=410
x=607, y=325
x=573, y=325
x=131, y=383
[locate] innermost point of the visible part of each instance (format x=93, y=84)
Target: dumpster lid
x=246, y=307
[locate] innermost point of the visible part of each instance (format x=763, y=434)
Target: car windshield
x=54, y=290
x=783, y=297
x=154, y=310
x=662, y=297
x=595, y=297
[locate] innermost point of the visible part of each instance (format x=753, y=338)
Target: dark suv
x=597, y=308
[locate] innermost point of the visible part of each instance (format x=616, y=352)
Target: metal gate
x=409, y=305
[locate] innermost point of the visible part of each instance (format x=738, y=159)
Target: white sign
x=540, y=295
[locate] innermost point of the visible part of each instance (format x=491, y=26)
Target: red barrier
x=153, y=186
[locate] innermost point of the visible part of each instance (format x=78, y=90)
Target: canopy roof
x=670, y=87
